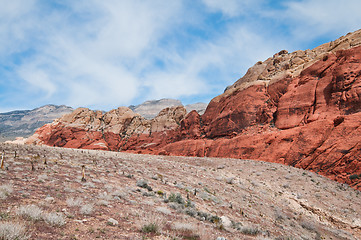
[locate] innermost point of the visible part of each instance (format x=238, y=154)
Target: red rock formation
x=301, y=109
x=241, y=109
x=328, y=88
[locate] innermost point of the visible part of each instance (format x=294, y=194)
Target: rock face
x=24, y=123
x=84, y=128
x=301, y=109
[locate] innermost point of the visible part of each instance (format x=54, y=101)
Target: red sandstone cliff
x=301, y=109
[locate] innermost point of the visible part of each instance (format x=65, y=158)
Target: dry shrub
x=31, y=212
x=87, y=209
x=12, y=231
x=5, y=190
x=150, y=228
x=71, y=202
x=54, y=219
x=163, y=210
x=186, y=230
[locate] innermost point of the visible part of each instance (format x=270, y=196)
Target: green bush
x=250, y=231
x=354, y=176
x=150, y=228
x=177, y=198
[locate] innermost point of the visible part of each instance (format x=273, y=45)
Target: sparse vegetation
x=191, y=212
x=54, y=219
x=250, y=231
x=5, y=190
x=176, y=206
x=53, y=200
x=164, y=210
x=176, y=197
x=34, y=213
x=112, y=222
x=103, y=202
x=12, y=231
x=354, y=176
x=150, y=228
x=308, y=225
x=186, y=230
x=118, y=194
x=42, y=178
x=87, y=209
x=144, y=184
x=4, y=215
x=31, y=212
x=74, y=202
x=159, y=192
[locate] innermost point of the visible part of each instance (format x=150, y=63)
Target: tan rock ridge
x=84, y=128
x=301, y=109
x=284, y=64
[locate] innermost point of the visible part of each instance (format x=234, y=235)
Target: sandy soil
x=128, y=196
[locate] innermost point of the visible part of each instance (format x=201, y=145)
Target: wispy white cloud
x=233, y=8
x=88, y=62
x=102, y=54
x=311, y=19
x=14, y=23
x=37, y=78
x=190, y=73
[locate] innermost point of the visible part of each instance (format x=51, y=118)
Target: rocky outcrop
x=84, y=128
x=285, y=64
x=301, y=109
x=241, y=109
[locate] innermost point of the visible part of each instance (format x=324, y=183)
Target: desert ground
x=58, y=193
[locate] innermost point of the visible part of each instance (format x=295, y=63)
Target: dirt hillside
x=129, y=196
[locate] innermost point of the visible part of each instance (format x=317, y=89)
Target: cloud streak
x=103, y=54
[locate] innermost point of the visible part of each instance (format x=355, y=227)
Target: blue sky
x=110, y=53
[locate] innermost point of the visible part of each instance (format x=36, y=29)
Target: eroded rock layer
x=301, y=109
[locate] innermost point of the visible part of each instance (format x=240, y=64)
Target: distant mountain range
x=23, y=123
x=150, y=109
